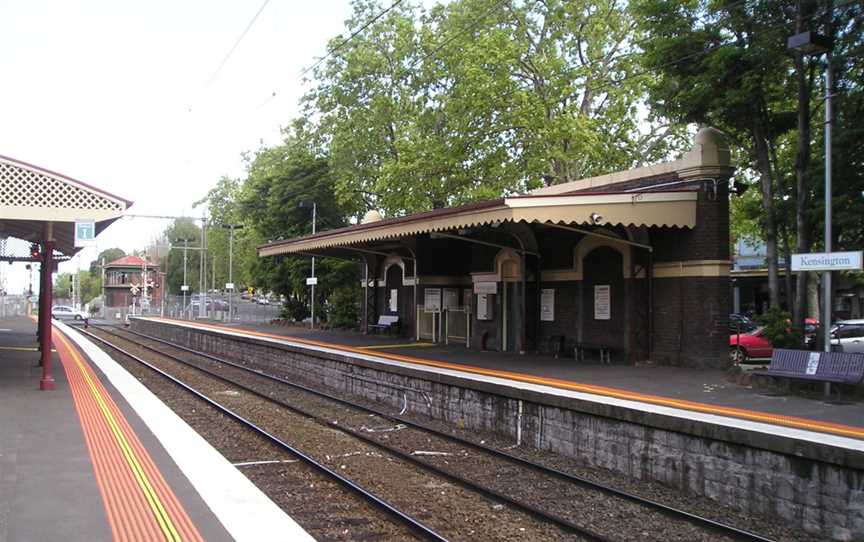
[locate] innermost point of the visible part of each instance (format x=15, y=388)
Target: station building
x=635, y=263
x=124, y=273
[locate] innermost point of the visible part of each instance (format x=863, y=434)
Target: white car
x=63, y=312
x=848, y=335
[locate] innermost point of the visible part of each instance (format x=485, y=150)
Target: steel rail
x=717, y=526
x=413, y=524
x=486, y=492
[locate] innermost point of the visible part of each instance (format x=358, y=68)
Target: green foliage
x=343, y=306
x=108, y=255
x=90, y=286
x=778, y=329
x=294, y=309
x=173, y=265
x=476, y=99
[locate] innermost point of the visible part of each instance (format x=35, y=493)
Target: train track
x=705, y=525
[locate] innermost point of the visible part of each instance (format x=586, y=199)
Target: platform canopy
x=669, y=209
x=31, y=198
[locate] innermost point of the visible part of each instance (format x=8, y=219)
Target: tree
x=479, y=98
x=172, y=264
x=279, y=179
x=108, y=255
x=728, y=68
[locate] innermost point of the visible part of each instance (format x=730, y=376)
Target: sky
x=129, y=97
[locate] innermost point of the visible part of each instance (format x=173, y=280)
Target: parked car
x=64, y=312
x=741, y=322
x=752, y=344
x=848, y=336
x=263, y=301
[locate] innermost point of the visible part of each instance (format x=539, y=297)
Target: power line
x=234, y=47
x=349, y=38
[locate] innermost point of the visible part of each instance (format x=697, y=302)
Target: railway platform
x=700, y=390
x=100, y=458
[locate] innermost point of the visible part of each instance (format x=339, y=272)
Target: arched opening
x=604, y=298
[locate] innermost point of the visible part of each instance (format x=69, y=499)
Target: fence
x=216, y=308
x=451, y=325
x=13, y=305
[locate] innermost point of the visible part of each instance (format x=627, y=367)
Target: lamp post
x=314, y=207
x=184, y=287
x=230, y=285
x=810, y=43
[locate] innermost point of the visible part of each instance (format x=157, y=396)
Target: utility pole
x=201, y=259
x=185, y=287
x=314, y=206
x=230, y=285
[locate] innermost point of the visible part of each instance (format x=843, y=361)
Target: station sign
x=85, y=233
x=229, y=286
x=828, y=261
x=485, y=287
x=311, y=281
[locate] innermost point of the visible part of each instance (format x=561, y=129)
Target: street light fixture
x=810, y=43
x=312, y=205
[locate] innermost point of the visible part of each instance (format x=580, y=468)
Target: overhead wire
x=353, y=35
x=228, y=55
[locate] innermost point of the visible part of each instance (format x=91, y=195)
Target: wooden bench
x=388, y=322
x=827, y=367
x=604, y=350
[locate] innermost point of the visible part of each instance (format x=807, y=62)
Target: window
x=850, y=331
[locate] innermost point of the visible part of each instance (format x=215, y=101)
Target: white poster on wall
x=483, y=307
x=394, y=300
x=432, y=299
x=547, y=305
x=451, y=298
x=602, y=302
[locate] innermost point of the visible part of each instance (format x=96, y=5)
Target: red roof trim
x=27, y=165
x=130, y=261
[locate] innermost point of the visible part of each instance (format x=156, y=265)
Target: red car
x=754, y=344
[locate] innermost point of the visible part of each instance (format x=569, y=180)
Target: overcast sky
x=116, y=94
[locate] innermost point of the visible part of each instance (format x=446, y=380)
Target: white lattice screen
x=20, y=187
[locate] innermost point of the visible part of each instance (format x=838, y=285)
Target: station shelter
x=41, y=207
x=635, y=263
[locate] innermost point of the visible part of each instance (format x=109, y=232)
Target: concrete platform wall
x=817, y=488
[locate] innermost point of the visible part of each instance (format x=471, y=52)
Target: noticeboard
x=602, y=302
x=547, y=305
x=451, y=298
x=483, y=309
x=432, y=299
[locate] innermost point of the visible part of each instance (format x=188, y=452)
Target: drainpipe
x=366, y=299
x=416, y=278
x=650, y=277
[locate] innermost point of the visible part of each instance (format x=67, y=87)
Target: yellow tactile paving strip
x=751, y=415
x=138, y=502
